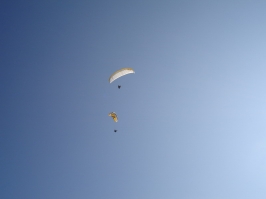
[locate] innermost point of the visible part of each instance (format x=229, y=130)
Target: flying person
x=119, y=86
x=115, y=118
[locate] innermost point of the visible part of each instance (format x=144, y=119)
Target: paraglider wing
x=114, y=116
x=120, y=73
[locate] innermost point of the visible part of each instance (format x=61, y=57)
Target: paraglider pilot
x=119, y=86
x=115, y=131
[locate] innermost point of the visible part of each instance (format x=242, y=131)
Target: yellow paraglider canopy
x=114, y=116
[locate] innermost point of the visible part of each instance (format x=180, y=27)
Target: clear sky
x=192, y=119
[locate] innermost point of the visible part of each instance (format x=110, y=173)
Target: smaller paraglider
x=119, y=86
x=115, y=118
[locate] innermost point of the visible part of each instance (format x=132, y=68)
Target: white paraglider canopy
x=120, y=73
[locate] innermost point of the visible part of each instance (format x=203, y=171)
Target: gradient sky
x=191, y=119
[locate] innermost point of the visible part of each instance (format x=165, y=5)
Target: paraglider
x=119, y=73
x=119, y=86
x=114, y=116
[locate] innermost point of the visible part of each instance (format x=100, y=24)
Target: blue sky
x=191, y=119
